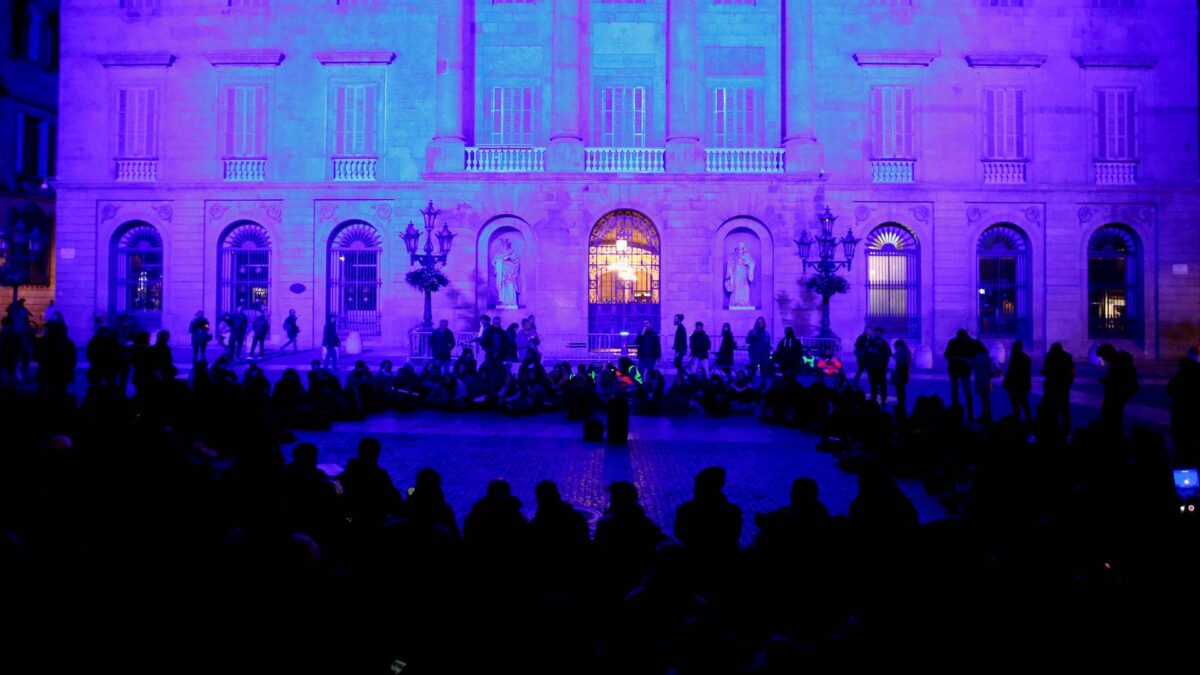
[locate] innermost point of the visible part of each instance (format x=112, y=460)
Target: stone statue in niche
x=507, y=268
x=739, y=274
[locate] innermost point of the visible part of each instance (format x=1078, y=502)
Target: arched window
x=623, y=273
x=1114, y=284
x=355, y=278
x=244, y=269
x=894, y=281
x=137, y=274
x=1003, y=260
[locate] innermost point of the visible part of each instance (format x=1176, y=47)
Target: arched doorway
x=244, y=269
x=355, y=278
x=894, y=281
x=136, y=275
x=1003, y=259
x=623, y=274
x=1114, y=284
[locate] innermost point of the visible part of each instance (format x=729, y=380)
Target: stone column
x=802, y=153
x=685, y=154
x=566, y=98
x=447, y=150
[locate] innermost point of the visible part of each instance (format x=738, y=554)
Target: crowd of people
x=205, y=542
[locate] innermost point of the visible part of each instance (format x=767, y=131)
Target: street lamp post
x=826, y=282
x=428, y=259
x=20, y=245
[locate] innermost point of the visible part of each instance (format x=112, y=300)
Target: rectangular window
x=137, y=133
x=623, y=117
x=891, y=122
x=1004, y=127
x=29, y=146
x=513, y=2
x=735, y=117
x=245, y=121
x=622, y=2
x=512, y=114
x=1116, y=124
x=356, y=120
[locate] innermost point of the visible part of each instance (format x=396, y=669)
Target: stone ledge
x=137, y=59
x=246, y=57
x=919, y=59
x=1005, y=60
x=355, y=58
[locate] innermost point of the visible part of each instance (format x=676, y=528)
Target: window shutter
x=260, y=121
x=989, y=133
x=905, y=148
x=1130, y=126
x=751, y=121
x=122, y=123
x=230, y=121
x=340, y=131
x=1019, y=119
x=369, y=122
x=150, y=138
x=1101, y=126
x=877, y=121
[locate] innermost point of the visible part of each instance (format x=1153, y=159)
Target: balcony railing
x=245, y=169
x=892, y=170
x=624, y=160
x=137, y=170
x=1004, y=172
x=354, y=168
x=506, y=159
x=1116, y=173
x=743, y=160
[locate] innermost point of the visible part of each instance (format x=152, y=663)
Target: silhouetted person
x=201, y=334
x=146, y=375
x=680, y=344
x=796, y=524
x=164, y=361
x=427, y=506
x=860, y=355
x=495, y=528
x=1058, y=371
x=709, y=524
x=367, y=489
x=625, y=537
x=56, y=356
x=900, y=375
x=880, y=507
x=984, y=370
x=104, y=358
x=878, y=355
x=649, y=349
x=330, y=341
x=758, y=346
x=1018, y=381
x=960, y=354
x=699, y=345
x=259, y=329
x=788, y=354
x=1184, y=390
x=556, y=525
x=441, y=346
x=725, y=349
x=239, y=329
x=291, y=328
x=1120, y=384
x=311, y=495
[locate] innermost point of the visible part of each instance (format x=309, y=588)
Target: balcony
x=506, y=159
x=354, y=169
x=743, y=160
x=1116, y=173
x=245, y=169
x=137, y=170
x=623, y=160
x=892, y=170
x=1004, y=172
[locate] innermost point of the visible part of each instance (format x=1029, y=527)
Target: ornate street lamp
x=826, y=282
x=428, y=278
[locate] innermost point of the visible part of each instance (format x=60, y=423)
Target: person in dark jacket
x=495, y=528
x=860, y=355
x=625, y=538
x=259, y=330
x=758, y=344
x=649, y=349
x=680, y=345
x=426, y=505
x=291, y=328
x=1120, y=384
x=56, y=357
x=367, y=489
x=788, y=354
x=164, y=362
x=1059, y=372
x=709, y=524
x=201, y=336
x=1184, y=390
x=1018, y=380
x=960, y=354
x=726, y=349
x=330, y=341
x=878, y=355
x=104, y=358
x=441, y=346
x=241, y=326
x=700, y=345
x=900, y=373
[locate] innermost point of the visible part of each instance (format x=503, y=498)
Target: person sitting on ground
x=367, y=489
x=426, y=505
x=709, y=525
x=793, y=525
x=625, y=538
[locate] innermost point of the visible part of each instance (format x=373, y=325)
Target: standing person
x=649, y=349
x=241, y=325
x=441, y=346
x=49, y=314
x=524, y=345
x=788, y=354
x=959, y=355
x=681, y=343
x=198, y=329
x=758, y=344
x=535, y=339
x=103, y=353
x=1120, y=384
x=726, y=349
x=1018, y=380
x=23, y=333
x=985, y=369
x=485, y=323
x=700, y=345
x=164, y=363
x=224, y=331
x=291, y=328
x=878, y=355
x=56, y=356
x=1184, y=390
x=860, y=355
x=1059, y=372
x=903, y=364
x=259, y=330
x=330, y=341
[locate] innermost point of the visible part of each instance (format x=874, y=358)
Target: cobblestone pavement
x=662, y=458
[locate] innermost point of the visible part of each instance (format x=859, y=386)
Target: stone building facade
x=1017, y=169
